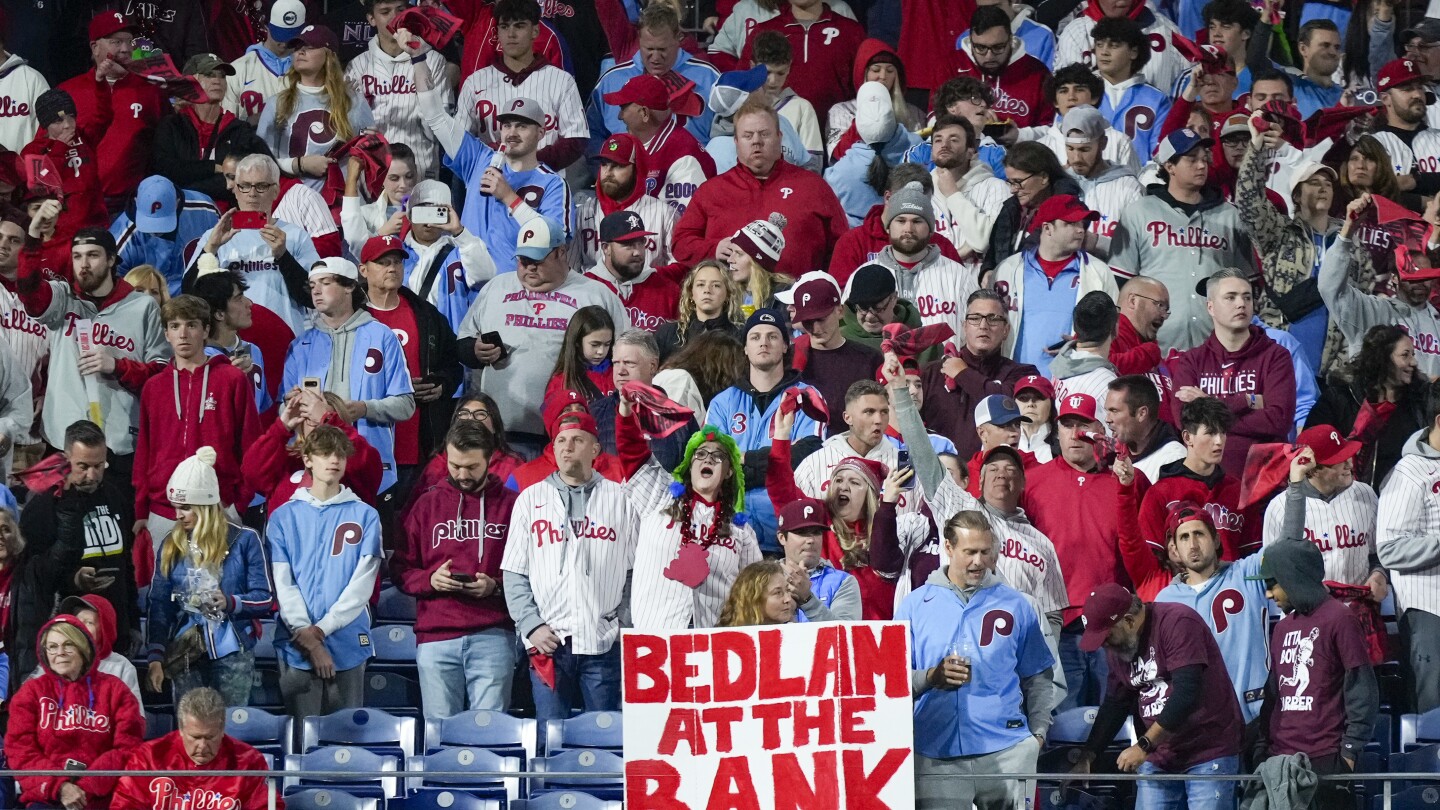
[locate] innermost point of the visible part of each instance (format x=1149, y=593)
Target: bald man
x=1144, y=305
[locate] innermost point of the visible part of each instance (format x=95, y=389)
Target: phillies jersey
x=1136, y=109
x=20, y=85
x=655, y=216
x=257, y=78
x=1118, y=149
x=490, y=89
x=1019, y=89
x=387, y=83
x=660, y=602
x=1409, y=155
x=1109, y=193
x=813, y=474
x=1405, y=529
x=29, y=343
x=466, y=267
x=250, y=254
x=124, y=153
x=199, y=789
x=937, y=285
x=1165, y=65
x=677, y=166
x=309, y=130
x=651, y=299
x=1342, y=527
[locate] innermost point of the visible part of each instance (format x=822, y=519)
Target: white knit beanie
x=194, y=483
x=762, y=241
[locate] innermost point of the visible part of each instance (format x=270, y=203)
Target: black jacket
x=438, y=364
x=177, y=154
x=1008, y=235
x=1339, y=405
x=668, y=335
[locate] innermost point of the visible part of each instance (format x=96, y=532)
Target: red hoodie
x=1218, y=493
x=136, y=106
x=199, y=792
x=182, y=411
x=79, y=172
x=92, y=722
x=502, y=466
x=1019, y=89
x=824, y=54
x=864, y=242
x=928, y=37
x=271, y=470
x=469, y=530
x=1262, y=368
x=482, y=42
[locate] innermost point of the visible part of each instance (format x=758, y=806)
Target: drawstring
x=204, y=393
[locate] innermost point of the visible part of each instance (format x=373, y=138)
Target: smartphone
x=903, y=463
x=493, y=339
x=311, y=382
x=465, y=578
x=107, y=572
x=247, y=221
x=430, y=215
x=995, y=129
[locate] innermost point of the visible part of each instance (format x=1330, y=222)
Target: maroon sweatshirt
x=469, y=530
x=950, y=402
x=1261, y=367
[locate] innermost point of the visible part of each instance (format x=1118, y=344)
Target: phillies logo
x=546, y=533
x=1016, y=550
x=786, y=191
x=1224, y=518
x=1191, y=236
x=930, y=306
x=830, y=34
x=346, y=534
x=166, y=795
x=137, y=108
x=539, y=307
x=102, y=334
x=402, y=336
x=71, y=718
x=374, y=360
x=461, y=530
x=516, y=104
x=532, y=195
x=1008, y=104
x=1228, y=602
x=156, y=206
x=1157, y=42
x=372, y=86
x=1138, y=119
x=10, y=108
x=996, y=623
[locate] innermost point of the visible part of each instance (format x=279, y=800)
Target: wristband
x=517, y=202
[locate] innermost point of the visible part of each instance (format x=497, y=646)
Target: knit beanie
x=874, y=114
x=911, y=199
x=50, y=104
x=762, y=241
x=872, y=471
x=194, y=483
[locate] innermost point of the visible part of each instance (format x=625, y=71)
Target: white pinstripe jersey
x=29, y=342
x=813, y=474
x=489, y=89
x=1096, y=383
x=1409, y=515
x=658, y=217
x=1109, y=195
x=1343, y=528
x=660, y=603
x=252, y=85
x=1074, y=44
x=305, y=207
x=388, y=85
x=1119, y=149
x=1423, y=153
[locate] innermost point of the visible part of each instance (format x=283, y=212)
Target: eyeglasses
x=253, y=188
x=64, y=646
x=987, y=320
x=989, y=50
x=1163, y=306
x=709, y=456
x=473, y=415
x=875, y=308
x=1016, y=182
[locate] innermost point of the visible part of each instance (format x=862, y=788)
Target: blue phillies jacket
x=825, y=582
x=196, y=217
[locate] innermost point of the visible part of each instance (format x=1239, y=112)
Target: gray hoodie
x=386, y=410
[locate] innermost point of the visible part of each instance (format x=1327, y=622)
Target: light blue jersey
x=196, y=216
x=825, y=582
x=256, y=375
x=491, y=220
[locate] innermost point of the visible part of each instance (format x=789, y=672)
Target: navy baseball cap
x=998, y=409
x=768, y=317
x=1180, y=143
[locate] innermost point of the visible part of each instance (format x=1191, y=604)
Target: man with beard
x=922, y=273
x=124, y=348
x=649, y=297
x=676, y=163
x=448, y=558
x=620, y=186
x=1106, y=188
x=77, y=542
x=967, y=192
x=992, y=55
x=1413, y=147
x=1320, y=52
x=1167, y=670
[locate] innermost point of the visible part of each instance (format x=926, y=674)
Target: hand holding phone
x=248, y=221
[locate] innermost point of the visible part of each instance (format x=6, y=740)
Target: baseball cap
x=1036, y=383
x=155, y=205
x=646, y=90
x=108, y=23
x=574, y=420
x=802, y=513
x=287, y=17
x=1081, y=405
x=874, y=113
x=733, y=87
x=203, y=64
x=1182, y=512
x=1180, y=143
x=377, y=246
x=315, y=36
x=95, y=236
x=787, y=296
x=538, y=237
x=526, y=109
x=623, y=226
x=768, y=317
x=429, y=192
x=998, y=409
x=1083, y=124
x=558, y=402
x=815, y=299
x=621, y=148
x=1064, y=207
x=1329, y=446
x=1104, y=608
x=1397, y=72
x=1428, y=30
x=869, y=285
x=1237, y=123
x=1004, y=450
x=335, y=266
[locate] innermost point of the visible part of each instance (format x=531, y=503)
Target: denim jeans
x=231, y=676
x=1197, y=795
x=1085, y=673
x=591, y=682
x=469, y=672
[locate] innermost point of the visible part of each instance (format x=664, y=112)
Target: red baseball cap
x=1065, y=207
x=815, y=299
x=646, y=90
x=377, y=246
x=557, y=405
x=107, y=23
x=1397, y=72
x=574, y=420
x=1081, y=405
x=1104, y=608
x=1036, y=383
x=621, y=148
x=1329, y=446
x=803, y=513
x=1182, y=512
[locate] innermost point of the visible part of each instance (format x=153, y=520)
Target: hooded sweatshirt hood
x=869, y=49
x=940, y=577
x=610, y=205
x=1138, y=12
x=67, y=619
x=1418, y=445
x=345, y=495
x=1108, y=173
x=1072, y=361
x=105, y=613
x=1299, y=568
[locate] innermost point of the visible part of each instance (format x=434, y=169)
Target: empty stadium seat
x=1417, y=730
x=394, y=645
x=321, y=799
x=158, y=724
x=1072, y=727
x=1066, y=798
x=395, y=693
x=566, y=800
x=344, y=758
x=471, y=761
x=395, y=606
x=493, y=731
x=270, y=733
x=265, y=690
x=589, y=730
x=446, y=800
x=579, y=761
x=1422, y=796
x=265, y=645
x=372, y=729
x=1420, y=760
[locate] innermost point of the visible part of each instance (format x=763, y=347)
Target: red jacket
x=1218, y=493
x=482, y=43
x=137, y=106
x=93, y=722
x=1141, y=560
x=79, y=170
x=271, y=470
x=469, y=530
x=1019, y=89
x=727, y=202
x=824, y=54
x=1132, y=354
x=216, y=408
x=1261, y=367
x=1081, y=514
x=199, y=792
x=864, y=242
x=927, y=39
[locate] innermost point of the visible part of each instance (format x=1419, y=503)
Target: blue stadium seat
x=158, y=724
x=1420, y=760
x=1072, y=727
x=320, y=799
x=372, y=729
x=265, y=645
x=393, y=693
x=469, y=760
x=445, y=800
x=394, y=647
x=1065, y=798
x=345, y=758
x=581, y=761
x=566, y=800
x=1417, y=730
x=1416, y=797
x=493, y=731
x=589, y=730
x=270, y=733
x=1382, y=741
x=395, y=606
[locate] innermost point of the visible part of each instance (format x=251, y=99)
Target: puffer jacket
x=1287, y=258
x=1008, y=235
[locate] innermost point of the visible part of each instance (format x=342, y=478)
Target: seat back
x=394, y=643
x=395, y=606
x=308, y=768
x=1415, y=798
x=1420, y=760
x=582, y=761
x=493, y=731
x=474, y=763
x=158, y=724
x=566, y=800
x=387, y=690
x=1072, y=727
x=268, y=733
x=446, y=800
x=323, y=799
x=589, y=730
x=373, y=729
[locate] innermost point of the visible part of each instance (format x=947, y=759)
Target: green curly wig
x=710, y=433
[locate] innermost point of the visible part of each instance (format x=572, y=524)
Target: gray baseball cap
x=1083, y=124
x=527, y=109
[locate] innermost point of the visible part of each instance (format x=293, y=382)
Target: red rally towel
x=544, y=666
x=1267, y=466
x=808, y=400
x=46, y=475
x=373, y=151
x=436, y=26
x=659, y=415
x=911, y=342
x=1357, y=599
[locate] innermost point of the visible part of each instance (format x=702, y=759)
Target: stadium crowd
x=1098, y=340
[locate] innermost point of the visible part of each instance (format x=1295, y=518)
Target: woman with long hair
x=710, y=300
x=1035, y=175
x=147, y=279
x=316, y=111
x=707, y=365
x=760, y=596
x=1038, y=436
x=211, y=587
x=1367, y=170
x=385, y=214
x=752, y=264
x=481, y=409
x=583, y=364
x=1379, y=399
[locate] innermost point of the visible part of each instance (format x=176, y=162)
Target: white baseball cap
x=335, y=266
x=787, y=297
x=287, y=17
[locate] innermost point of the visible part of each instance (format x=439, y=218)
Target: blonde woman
x=760, y=596
x=316, y=111
x=710, y=300
x=752, y=264
x=211, y=581
x=147, y=279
